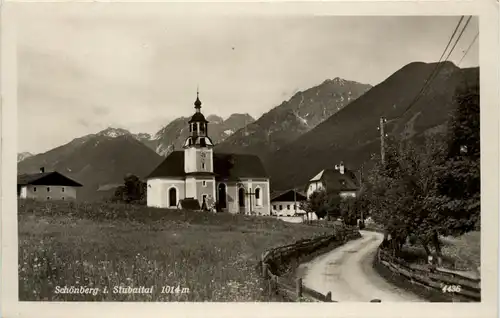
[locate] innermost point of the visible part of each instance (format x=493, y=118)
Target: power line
x=467, y=51
x=439, y=65
x=459, y=36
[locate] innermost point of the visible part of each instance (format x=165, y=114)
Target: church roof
x=226, y=166
x=198, y=117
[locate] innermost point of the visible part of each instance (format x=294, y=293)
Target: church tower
x=198, y=154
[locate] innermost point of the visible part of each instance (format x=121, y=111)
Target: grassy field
x=461, y=253
x=182, y=255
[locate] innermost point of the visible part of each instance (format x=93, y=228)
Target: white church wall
x=261, y=206
x=191, y=187
x=190, y=155
x=205, y=186
x=158, y=191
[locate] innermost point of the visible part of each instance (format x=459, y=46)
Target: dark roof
x=198, y=117
x=189, y=204
x=197, y=102
x=288, y=195
x=229, y=166
x=46, y=178
x=172, y=166
x=226, y=166
x=336, y=181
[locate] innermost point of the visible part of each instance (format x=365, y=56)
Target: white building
x=287, y=203
x=287, y=206
x=46, y=186
x=339, y=180
x=238, y=183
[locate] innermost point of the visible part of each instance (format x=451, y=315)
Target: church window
x=281, y=207
x=288, y=207
x=274, y=207
x=258, y=198
x=202, y=128
x=203, y=166
x=34, y=189
x=204, y=183
x=203, y=142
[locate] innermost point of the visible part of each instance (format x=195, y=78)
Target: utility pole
x=360, y=185
x=294, y=200
x=382, y=139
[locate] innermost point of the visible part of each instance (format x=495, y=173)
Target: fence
x=273, y=262
x=458, y=287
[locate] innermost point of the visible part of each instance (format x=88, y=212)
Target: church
x=238, y=183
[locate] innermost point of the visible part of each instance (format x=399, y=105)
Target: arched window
x=258, y=197
x=241, y=197
x=172, y=197
x=222, y=195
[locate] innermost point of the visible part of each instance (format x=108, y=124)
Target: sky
x=81, y=71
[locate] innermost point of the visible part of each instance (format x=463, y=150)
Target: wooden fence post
x=298, y=287
x=329, y=297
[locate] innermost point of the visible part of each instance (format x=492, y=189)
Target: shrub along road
x=348, y=273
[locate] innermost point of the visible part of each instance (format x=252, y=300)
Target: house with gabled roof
x=287, y=202
x=338, y=179
x=46, y=186
x=238, y=183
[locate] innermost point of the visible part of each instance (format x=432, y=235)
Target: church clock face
x=203, y=156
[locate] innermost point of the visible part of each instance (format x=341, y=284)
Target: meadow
x=182, y=255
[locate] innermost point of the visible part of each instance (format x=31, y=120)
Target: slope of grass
x=461, y=253
x=196, y=256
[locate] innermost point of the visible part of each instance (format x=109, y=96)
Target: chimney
x=42, y=170
x=341, y=167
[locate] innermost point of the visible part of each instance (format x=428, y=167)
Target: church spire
x=197, y=103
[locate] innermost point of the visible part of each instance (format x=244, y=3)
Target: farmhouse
x=237, y=182
x=287, y=203
x=46, y=186
x=339, y=180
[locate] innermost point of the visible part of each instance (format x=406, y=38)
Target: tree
x=333, y=205
x=317, y=203
x=133, y=191
x=460, y=175
x=403, y=193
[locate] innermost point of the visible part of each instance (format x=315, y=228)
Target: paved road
x=348, y=273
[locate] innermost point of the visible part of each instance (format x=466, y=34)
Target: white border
x=487, y=10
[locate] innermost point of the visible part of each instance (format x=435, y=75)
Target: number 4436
x=450, y=288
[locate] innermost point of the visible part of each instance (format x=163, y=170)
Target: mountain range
x=23, y=155
x=351, y=134
x=292, y=118
x=316, y=128
x=173, y=135
x=100, y=161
